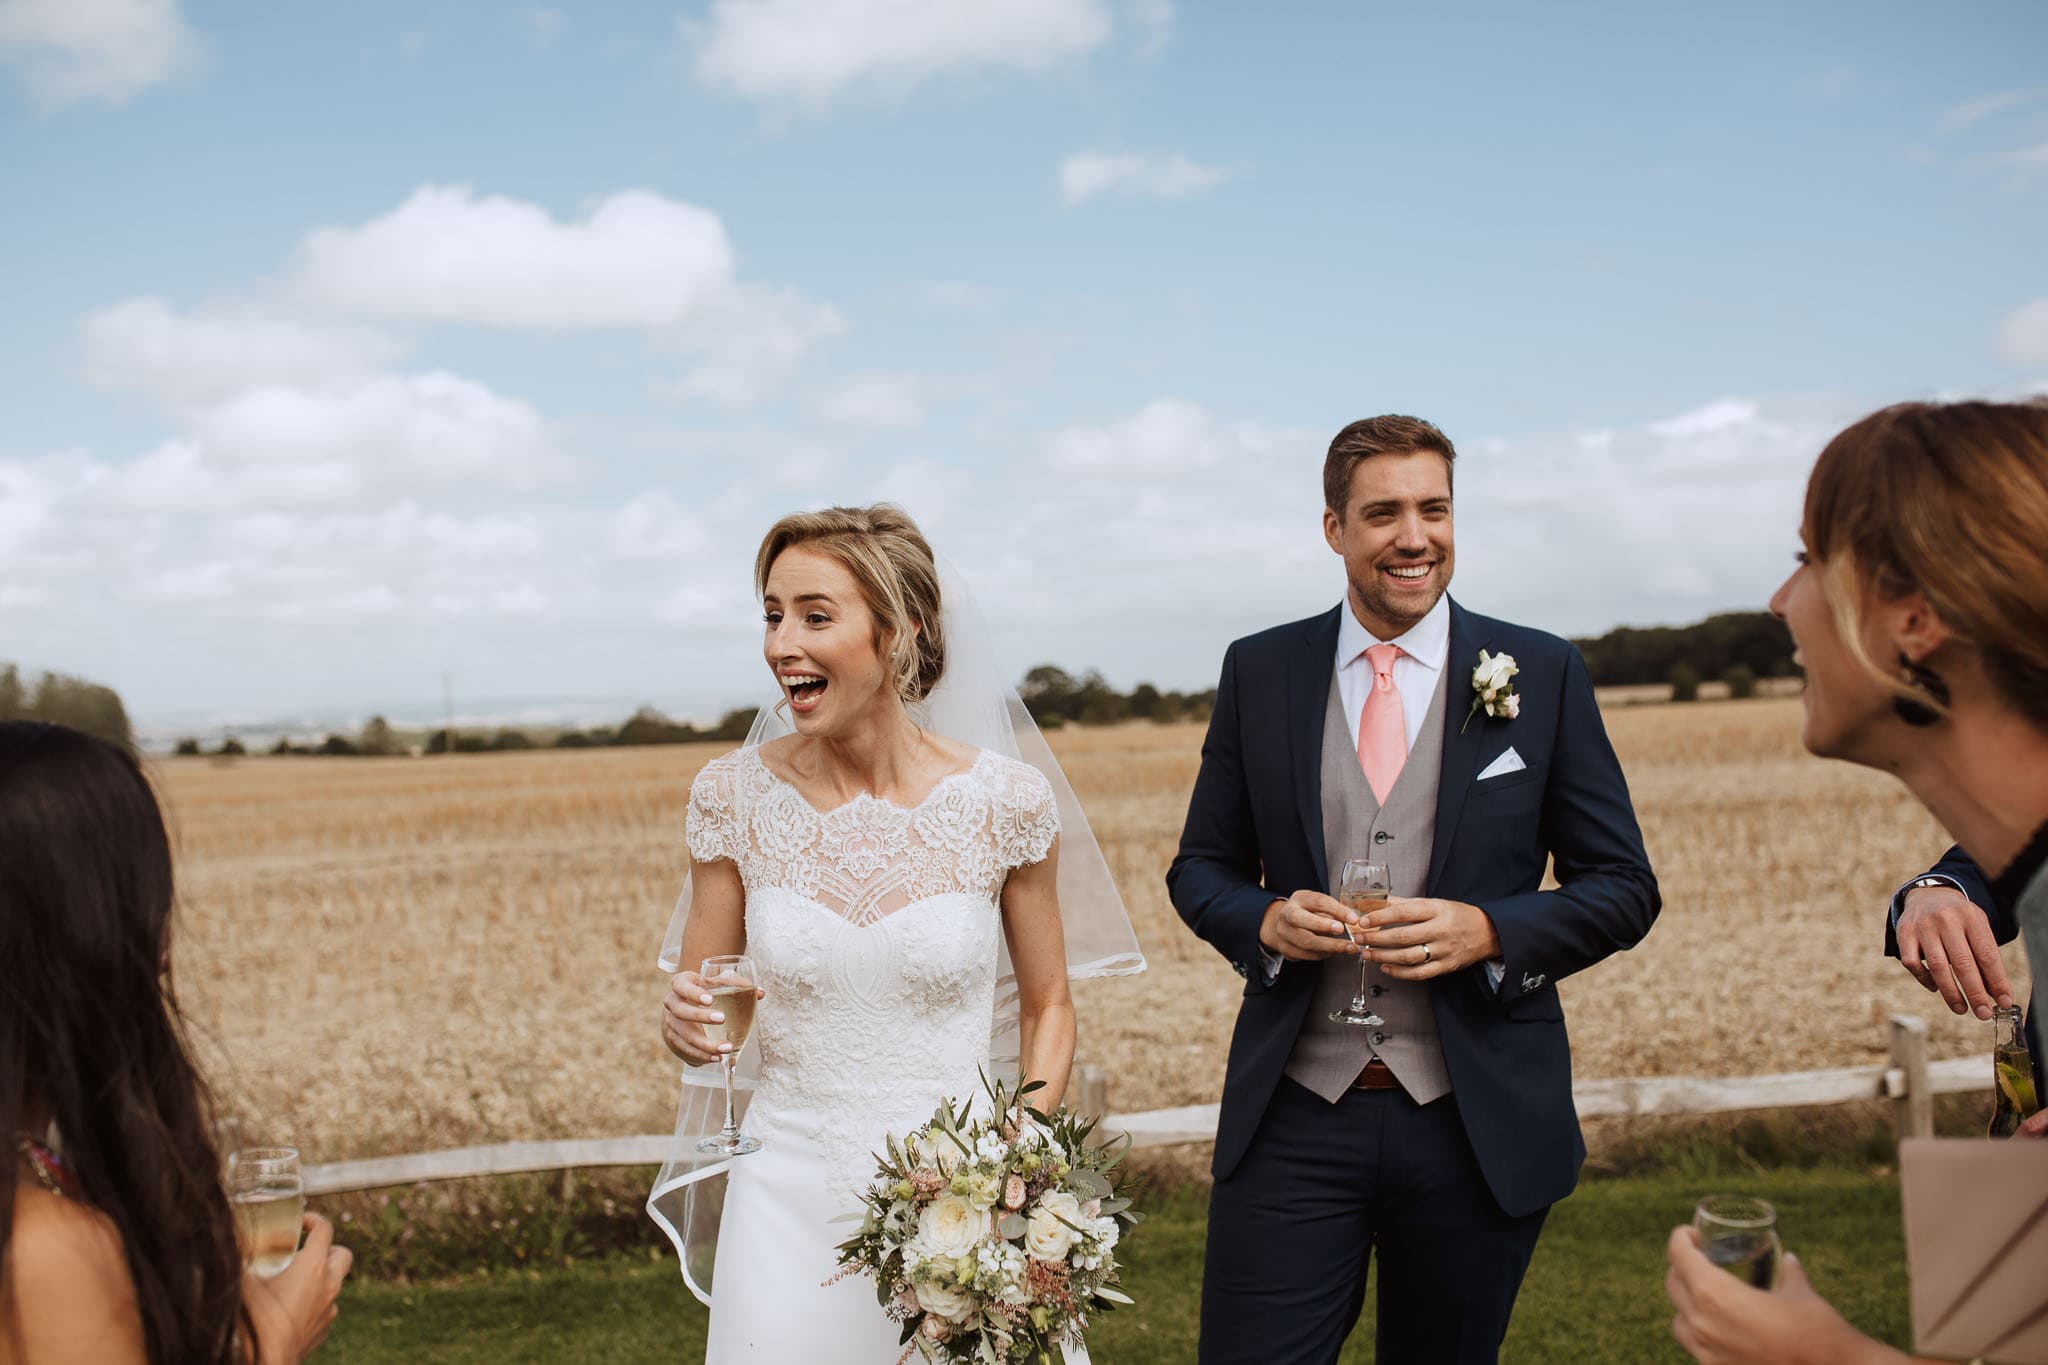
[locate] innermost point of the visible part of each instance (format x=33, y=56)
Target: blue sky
x=346, y=346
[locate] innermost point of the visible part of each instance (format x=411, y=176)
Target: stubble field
x=402, y=954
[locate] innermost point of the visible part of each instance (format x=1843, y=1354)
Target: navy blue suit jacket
x=1255, y=833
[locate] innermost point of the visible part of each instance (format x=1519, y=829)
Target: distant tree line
x=378, y=739
x=64, y=700
x=1738, y=647
x=1055, y=697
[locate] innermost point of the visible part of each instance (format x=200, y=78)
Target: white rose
x=1493, y=672
x=945, y=1301
x=950, y=1226
x=944, y=1154
x=1046, y=1237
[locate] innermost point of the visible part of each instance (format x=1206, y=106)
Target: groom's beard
x=1400, y=607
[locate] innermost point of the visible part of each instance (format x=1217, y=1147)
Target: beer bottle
x=2012, y=1072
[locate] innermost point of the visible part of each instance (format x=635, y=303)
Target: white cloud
x=653, y=527
x=1720, y=415
x=1085, y=175
x=109, y=51
x=520, y=600
x=143, y=345
x=809, y=52
x=1976, y=110
x=876, y=402
x=2023, y=340
x=1152, y=20
x=636, y=260
x=1165, y=436
x=745, y=340
x=391, y=429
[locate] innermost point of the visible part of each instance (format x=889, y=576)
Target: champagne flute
x=1363, y=887
x=269, y=1200
x=729, y=978
x=1740, y=1234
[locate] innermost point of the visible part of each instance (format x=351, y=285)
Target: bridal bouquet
x=992, y=1240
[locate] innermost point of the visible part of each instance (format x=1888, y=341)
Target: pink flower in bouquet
x=1015, y=1193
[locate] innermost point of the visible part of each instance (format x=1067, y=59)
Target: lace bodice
x=875, y=931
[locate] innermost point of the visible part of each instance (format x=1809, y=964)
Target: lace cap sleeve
x=712, y=826
x=1027, y=817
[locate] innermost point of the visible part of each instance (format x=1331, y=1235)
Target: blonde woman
x=911, y=893
x=1920, y=612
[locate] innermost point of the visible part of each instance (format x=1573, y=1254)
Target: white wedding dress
x=875, y=931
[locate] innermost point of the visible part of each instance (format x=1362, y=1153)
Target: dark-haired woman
x=1920, y=612
x=117, y=1245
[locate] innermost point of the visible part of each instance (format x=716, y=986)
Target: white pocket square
x=1509, y=762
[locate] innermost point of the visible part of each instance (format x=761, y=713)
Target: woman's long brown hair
x=91, y=1034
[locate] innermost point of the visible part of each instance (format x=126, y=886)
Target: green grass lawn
x=1594, y=1292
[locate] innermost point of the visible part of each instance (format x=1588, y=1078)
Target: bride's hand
x=684, y=1013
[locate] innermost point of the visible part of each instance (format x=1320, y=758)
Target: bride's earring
x=1924, y=679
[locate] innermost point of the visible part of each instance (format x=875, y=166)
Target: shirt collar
x=1426, y=642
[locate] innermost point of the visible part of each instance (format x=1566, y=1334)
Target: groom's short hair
x=1370, y=436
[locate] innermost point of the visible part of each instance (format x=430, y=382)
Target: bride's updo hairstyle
x=890, y=560
x=1949, y=500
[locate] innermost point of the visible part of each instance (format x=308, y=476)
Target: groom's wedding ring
x=1425, y=954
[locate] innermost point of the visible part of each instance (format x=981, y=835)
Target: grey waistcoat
x=1327, y=1057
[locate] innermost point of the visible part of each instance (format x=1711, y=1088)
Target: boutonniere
x=1493, y=688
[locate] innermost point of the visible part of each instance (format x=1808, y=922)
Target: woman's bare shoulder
x=67, y=1293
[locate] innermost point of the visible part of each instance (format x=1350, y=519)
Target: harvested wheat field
x=398, y=954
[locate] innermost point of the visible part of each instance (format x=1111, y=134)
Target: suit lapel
x=1308, y=697
x=1461, y=740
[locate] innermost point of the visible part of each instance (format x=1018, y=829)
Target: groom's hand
x=1456, y=935
x=1306, y=927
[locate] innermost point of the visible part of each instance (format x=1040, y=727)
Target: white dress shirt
x=1416, y=668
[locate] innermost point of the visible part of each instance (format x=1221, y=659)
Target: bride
x=913, y=896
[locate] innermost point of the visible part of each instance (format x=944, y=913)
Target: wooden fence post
x=1913, y=1100
x=1088, y=1096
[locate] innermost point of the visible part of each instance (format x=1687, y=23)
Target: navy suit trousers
x=1322, y=1189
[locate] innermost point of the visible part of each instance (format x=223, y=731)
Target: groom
x=1440, y=1138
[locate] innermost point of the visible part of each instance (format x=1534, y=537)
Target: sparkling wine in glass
x=1363, y=888
x=269, y=1201
x=1740, y=1234
x=729, y=981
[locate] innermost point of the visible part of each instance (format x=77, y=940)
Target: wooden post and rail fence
x=1909, y=1080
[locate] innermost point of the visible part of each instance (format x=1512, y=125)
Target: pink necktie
x=1382, y=731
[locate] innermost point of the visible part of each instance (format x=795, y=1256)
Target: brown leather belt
x=1376, y=1076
